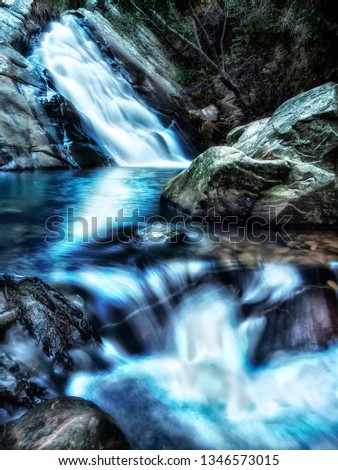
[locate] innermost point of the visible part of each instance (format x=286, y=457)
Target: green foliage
x=259, y=23
x=185, y=75
x=69, y=4
x=165, y=7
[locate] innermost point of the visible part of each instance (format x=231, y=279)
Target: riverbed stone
x=304, y=129
x=64, y=423
x=17, y=390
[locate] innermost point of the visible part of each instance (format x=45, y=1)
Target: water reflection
x=27, y=200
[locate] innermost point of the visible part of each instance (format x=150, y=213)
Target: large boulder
x=281, y=169
x=63, y=424
x=304, y=129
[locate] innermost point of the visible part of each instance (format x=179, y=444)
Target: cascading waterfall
x=124, y=127
x=200, y=390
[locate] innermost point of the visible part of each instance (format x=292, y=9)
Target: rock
x=91, y=5
x=223, y=181
x=23, y=142
x=304, y=129
x=306, y=322
x=84, y=152
x=27, y=138
x=135, y=45
x=16, y=388
x=280, y=170
x=14, y=21
x=47, y=315
x=63, y=424
x=210, y=113
x=235, y=134
x=228, y=106
x=211, y=133
x=251, y=131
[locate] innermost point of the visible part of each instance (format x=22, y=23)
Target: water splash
x=132, y=305
x=201, y=391
x=124, y=127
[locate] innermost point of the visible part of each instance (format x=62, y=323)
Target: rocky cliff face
x=27, y=138
x=280, y=169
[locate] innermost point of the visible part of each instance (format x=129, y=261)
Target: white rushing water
x=200, y=390
x=124, y=127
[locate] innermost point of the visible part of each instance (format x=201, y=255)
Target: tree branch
x=223, y=75
x=225, y=23
x=198, y=23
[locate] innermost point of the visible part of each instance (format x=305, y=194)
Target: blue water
x=29, y=199
x=175, y=371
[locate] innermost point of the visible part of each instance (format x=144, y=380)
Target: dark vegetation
x=270, y=50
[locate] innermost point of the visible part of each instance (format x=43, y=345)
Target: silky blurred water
x=125, y=128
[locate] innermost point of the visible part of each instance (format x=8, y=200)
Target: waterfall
x=125, y=128
x=200, y=390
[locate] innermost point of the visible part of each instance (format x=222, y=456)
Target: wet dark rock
x=82, y=149
x=307, y=321
x=48, y=316
x=64, y=424
x=228, y=106
x=17, y=390
x=283, y=169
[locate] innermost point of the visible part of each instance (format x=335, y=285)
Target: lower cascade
x=200, y=389
x=125, y=128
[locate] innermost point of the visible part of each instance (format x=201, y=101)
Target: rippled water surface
x=206, y=345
